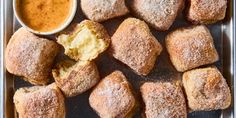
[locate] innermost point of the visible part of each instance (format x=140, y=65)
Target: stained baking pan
x=223, y=34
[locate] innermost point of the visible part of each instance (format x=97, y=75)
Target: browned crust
x=101, y=10
x=77, y=77
x=29, y=56
x=206, y=89
x=206, y=11
x=40, y=102
x=97, y=29
x=191, y=47
x=159, y=14
x=113, y=97
x=134, y=45
x=163, y=100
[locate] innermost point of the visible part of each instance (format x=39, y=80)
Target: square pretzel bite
x=86, y=42
x=40, y=102
x=74, y=78
x=101, y=10
x=158, y=13
x=134, y=45
x=113, y=97
x=206, y=89
x=206, y=11
x=163, y=100
x=30, y=56
x=191, y=47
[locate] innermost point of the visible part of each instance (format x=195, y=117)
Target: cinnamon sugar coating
x=101, y=10
x=158, y=13
x=39, y=102
x=74, y=78
x=191, y=47
x=206, y=11
x=134, y=45
x=163, y=100
x=30, y=56
x=113, y=97
x=206, y=89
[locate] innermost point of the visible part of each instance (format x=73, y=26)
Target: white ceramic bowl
x=60, y=28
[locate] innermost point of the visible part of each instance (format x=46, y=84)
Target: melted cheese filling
x=83, y=45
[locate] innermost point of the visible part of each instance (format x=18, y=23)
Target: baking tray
x=76, y=107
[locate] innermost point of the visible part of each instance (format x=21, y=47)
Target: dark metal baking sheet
x=78, y=106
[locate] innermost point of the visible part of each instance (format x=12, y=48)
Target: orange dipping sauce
x=44, y=15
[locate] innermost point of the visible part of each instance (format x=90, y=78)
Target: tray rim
x=4, y=16
x=234, y=50
x=5, y=6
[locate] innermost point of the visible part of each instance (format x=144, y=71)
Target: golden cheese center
x=83, y=45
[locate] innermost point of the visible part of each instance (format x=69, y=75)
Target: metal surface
x=223, y=34
x=6, y=83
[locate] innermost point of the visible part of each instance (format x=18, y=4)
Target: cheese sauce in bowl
x=45, y=16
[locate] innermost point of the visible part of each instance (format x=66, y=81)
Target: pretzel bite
x=206, y=89
x=113, y=97
x=134, y=45
x=191, y=47
x=163, y=100
x=160, y=14
x=30, y=56
x=86, y=42
x=74, y=78
x=101, y=10
x=206, y=11
x=40, y=102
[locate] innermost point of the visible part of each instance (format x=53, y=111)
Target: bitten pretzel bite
x=206, y=11
x=158, y=13
x=101, y=10
x=163, y=100
x=113, y=97
x=29, y=56
x=40, y=102
x=206, y=89
x=191, y=47
x=86, y=42
x=134, y=45
x=74, y=78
